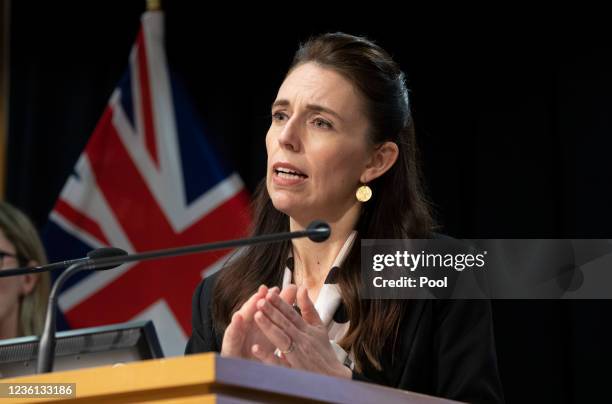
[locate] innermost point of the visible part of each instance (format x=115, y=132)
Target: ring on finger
x=278, y=351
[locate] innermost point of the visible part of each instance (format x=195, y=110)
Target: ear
x=382, y=159
x=29, y=281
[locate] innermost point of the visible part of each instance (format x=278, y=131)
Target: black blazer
x=446, y=348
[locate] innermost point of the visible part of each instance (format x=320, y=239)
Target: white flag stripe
x=97, y=206
x=171, y=336
x=73, y=231
x=136, y=100
x=163, y=113
x=211, y=200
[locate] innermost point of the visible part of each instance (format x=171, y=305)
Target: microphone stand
x=46, y=347
x=317, y=231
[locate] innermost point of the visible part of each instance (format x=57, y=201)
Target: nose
x=290, y=136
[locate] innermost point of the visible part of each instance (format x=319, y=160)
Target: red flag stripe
x=80, y=220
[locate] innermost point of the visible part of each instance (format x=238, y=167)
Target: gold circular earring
x=364, y=193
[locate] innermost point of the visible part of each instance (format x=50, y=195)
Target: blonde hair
x=20, y=231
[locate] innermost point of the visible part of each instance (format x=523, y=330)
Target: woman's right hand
x=243, y=333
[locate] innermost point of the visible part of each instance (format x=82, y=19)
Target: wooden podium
x=209, y=378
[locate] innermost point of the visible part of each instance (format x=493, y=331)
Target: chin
x=283, y=203
x=281, y=200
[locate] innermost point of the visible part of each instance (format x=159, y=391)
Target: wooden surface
x=211, y=379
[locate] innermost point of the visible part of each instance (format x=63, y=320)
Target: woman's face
x=11, y=288
x=317, y=144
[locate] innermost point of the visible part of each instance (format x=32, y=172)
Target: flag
x=147, y=179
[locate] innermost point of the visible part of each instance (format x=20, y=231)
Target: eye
x=321, y=123
x=279, y=116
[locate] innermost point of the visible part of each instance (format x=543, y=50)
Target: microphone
x=97, y=253
x=317, y=231
x=320, y=231
x=46, y=348
x=105, y=253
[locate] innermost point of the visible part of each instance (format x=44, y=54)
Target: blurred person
x=23, y=299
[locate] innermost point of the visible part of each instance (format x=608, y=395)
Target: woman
x=341, y=148
x=23, y=299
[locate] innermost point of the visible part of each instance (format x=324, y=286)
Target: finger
x=268, y=357
x=275, y=334
x=234, y=336
x=309, y=312
x=287, y=311
x=249, y=307
x=288, y=294
x=281, y=340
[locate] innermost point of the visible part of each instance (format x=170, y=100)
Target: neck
x=314, y=260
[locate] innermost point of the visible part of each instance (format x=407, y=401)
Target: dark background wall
x=514, y=122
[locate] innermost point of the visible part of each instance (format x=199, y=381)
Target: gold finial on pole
x=153, y=5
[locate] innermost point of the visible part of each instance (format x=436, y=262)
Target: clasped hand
x=267, y=321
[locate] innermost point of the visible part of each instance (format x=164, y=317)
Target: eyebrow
x=312, y=107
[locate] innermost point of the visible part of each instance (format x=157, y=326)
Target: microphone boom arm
x=317, y=231
x=321, y=231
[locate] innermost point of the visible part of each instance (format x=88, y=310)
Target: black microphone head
x=106, y=252
x=322, y=228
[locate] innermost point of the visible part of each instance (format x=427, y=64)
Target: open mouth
x=288, y=173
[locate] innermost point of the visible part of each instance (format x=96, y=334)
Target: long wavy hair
x=398, y=208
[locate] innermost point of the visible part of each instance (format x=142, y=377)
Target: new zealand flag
x=147, y=179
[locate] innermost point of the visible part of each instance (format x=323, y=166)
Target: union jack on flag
x=146, y=180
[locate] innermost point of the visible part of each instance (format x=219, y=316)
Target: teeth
x=287, y=171
x=283, y=174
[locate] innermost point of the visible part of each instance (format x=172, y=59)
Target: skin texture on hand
x=242, y=332
x=306, y=334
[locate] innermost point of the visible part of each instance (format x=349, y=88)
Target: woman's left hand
x=304, y=338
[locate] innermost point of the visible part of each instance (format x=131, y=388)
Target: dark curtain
x=514, y=126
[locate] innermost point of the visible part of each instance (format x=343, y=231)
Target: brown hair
x=20, y=231
x=397, y=210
